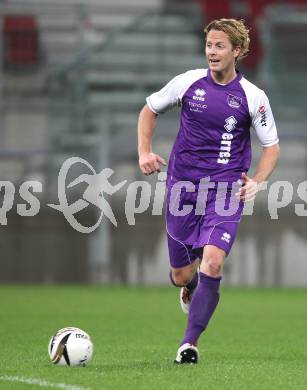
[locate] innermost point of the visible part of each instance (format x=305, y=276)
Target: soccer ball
x=70, y=347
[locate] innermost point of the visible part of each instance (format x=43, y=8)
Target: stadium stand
x=64, y=25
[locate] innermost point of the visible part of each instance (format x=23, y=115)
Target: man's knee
x=181, y=277
x=215, y=266
x=212, y=264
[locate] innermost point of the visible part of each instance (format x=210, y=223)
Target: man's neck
x=224, y=77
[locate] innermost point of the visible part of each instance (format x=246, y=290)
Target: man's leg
x=185, y=276
x=204, y=302
x=206, y=296
x=184, y=263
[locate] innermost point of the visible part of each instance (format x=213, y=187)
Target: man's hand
x=249, y=189
x=150, y=163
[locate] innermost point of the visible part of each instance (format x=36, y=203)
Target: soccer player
x=218, y=109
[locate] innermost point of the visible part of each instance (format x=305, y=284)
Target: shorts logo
x=262, y=111
x=226, y=237
x=234, y=101
x=199, y=94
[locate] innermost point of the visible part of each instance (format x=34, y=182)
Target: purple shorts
x=212, y=219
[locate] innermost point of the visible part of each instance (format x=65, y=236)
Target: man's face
x=220, y=52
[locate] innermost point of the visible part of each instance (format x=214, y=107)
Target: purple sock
x=191, y=286
x=204, y=302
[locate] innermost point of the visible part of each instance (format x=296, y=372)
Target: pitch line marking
x=40, y=382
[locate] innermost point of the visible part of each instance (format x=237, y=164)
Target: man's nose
x=211, y=51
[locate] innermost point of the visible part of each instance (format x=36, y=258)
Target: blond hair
x=236, y=30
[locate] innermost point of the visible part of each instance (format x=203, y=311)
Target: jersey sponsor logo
x=225, y=148
x=230, y=123
x=197, y=107
x=226, y=237
x=262, y=111
x=199, y=94
x=234, y=101
x=225, y=145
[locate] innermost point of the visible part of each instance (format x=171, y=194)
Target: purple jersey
x=214, y=134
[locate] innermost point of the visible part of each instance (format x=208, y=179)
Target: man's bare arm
x=266, y=165
x=148, y=161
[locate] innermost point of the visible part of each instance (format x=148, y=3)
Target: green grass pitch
x=256, y=340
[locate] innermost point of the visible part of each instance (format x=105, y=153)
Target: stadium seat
x=21, y=40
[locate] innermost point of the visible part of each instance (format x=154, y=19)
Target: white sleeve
x=167, y=97
x=171, y=94
x=263, y=121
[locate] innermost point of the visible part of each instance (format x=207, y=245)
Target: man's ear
x=237, y=51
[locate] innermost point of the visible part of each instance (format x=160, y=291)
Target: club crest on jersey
x=199, y=94
x=234, y=101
